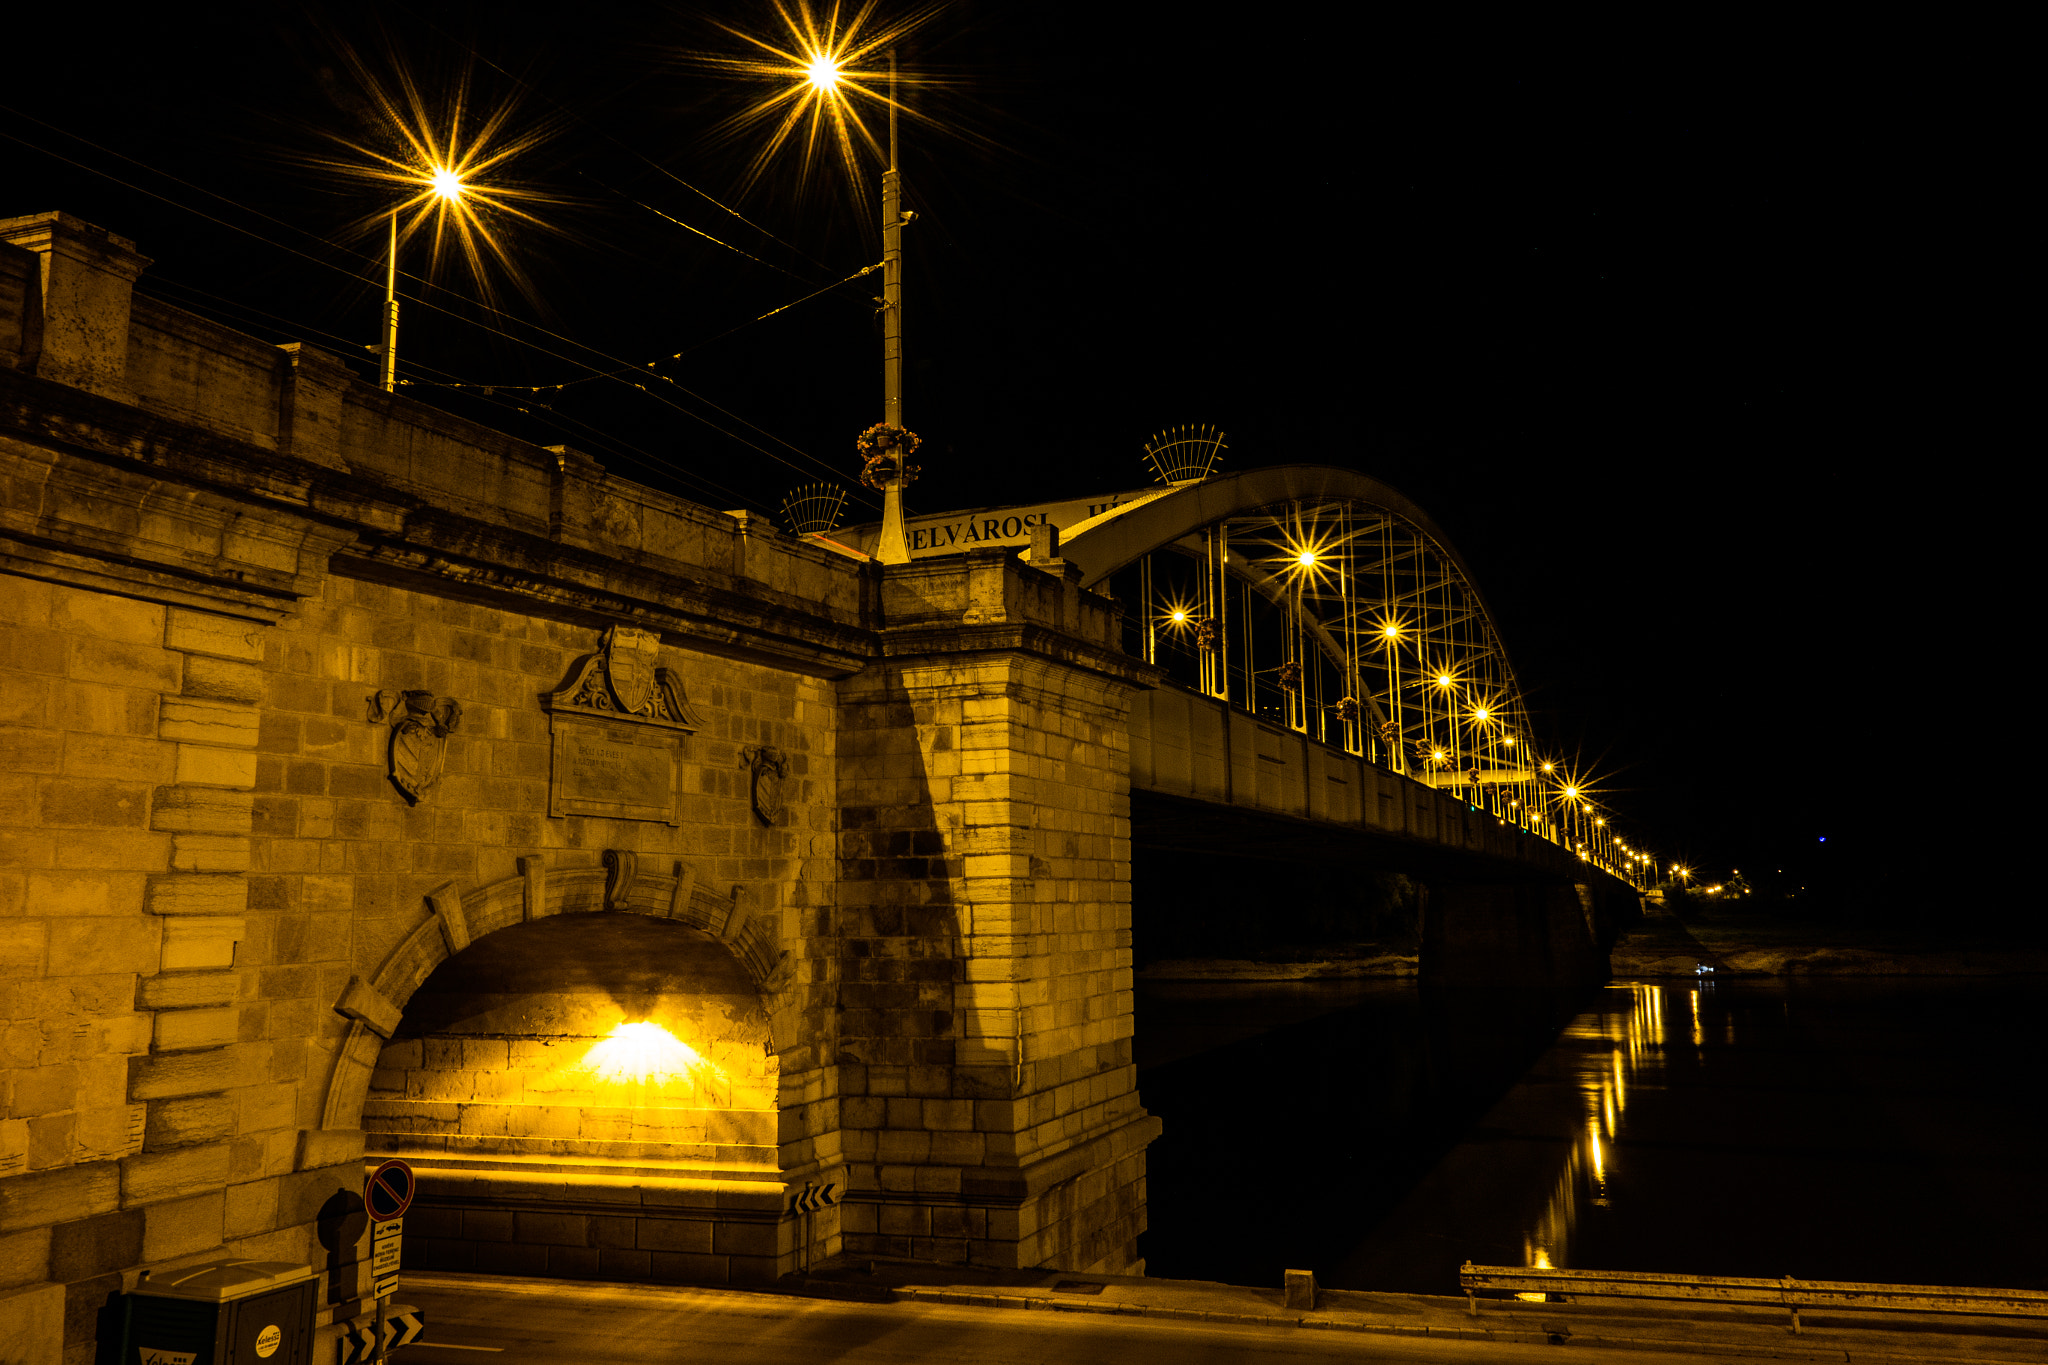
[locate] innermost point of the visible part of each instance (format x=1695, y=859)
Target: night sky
x=1584, y=299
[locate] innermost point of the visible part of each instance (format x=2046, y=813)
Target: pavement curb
x=1502, y=1336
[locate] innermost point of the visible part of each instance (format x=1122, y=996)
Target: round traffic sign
x=388, y=1192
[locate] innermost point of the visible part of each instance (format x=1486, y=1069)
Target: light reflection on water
x=1630, y=1020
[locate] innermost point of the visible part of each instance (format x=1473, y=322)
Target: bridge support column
x=984, y=1005
x=1512, y=935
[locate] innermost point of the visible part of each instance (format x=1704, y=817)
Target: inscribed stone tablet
x=613, y=769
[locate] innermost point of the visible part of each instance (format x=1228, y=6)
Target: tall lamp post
x=446, y=186
x=894, y=546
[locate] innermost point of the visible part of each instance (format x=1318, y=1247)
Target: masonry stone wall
x=244, y=934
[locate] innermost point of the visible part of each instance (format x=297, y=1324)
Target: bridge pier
x=988, y=1100
x=1514, y=934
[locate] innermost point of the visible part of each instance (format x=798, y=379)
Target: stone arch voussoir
x=457, y=918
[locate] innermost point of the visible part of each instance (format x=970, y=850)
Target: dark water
x=1882, y=1129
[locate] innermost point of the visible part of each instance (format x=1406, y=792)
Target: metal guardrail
x=1786, y=1293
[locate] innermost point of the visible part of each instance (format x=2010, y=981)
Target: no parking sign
x=387, y=1194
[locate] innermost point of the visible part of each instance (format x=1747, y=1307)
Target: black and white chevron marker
x=814, y=1197
x=403, y=1324
x=357, y=1343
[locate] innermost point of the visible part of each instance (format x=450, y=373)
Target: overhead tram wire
x=671, y=218
x=623, y=366
x=695, y=346
x=618, y=448
x=623, y=146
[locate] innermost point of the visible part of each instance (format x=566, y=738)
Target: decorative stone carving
x=618, y=729
x=770, y=766
x=621, y=870
x=625, y=681
x=420, y=725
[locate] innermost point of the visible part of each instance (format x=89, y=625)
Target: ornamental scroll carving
x=624, y=680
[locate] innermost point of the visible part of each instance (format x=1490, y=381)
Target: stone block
x=201, y=810
x=96, y=1246
x=616, y=1232
x=22, y=943
x=157, y=1176
x=106, y=616
x=179, y=1030
x=104, y=946
x=204, y=720
x=32, y=1323
x=24, y=1258
x=120, y=758
x=487, y=1225
x=262, y=1107
x=361, y=1000
x=56, y=894
x=50, y=1140
x=33, y=751
x=200, y=942
x=1301, y=1290
x=118, y=664
x=186, y=990
x=674, y=1234
x=624, y=1263
x=197, y=632
x=204, y=765
x=182, y=1227
x=197, y=893
x=221, y=680
x=209, y=853
x=573, y=1263
x=182, y=1074
x=554, y=1229
x=108, y=1132
x=101, y=805
x=188, y=1121
x=249, y=1209
x=38, y=1200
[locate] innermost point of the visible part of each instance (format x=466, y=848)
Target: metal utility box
x=221, y=1313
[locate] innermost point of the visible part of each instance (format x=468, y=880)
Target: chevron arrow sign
x=814, y=1197
x=403, y=1324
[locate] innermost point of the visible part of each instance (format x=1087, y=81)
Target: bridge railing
x=1786, y=1293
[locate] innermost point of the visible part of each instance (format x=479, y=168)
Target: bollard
x=1301, y=1289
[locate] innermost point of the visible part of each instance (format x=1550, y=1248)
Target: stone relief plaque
x=613, y=769
x=618, y=730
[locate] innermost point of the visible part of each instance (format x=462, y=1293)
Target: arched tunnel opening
x=581, y=1095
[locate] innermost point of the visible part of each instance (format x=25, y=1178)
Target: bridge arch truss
x=1326, y=602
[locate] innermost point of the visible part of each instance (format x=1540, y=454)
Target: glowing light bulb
x=1179, y=617
x=822, y=73
x=1306, y=558
x=447, y=184
x=640, y=1053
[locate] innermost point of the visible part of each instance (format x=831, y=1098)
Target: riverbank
x=1730, y=944
x=1739, y=943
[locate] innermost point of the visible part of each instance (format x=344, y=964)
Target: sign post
x=387, y=1194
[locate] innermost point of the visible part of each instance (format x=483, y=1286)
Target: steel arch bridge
x=1317, y=600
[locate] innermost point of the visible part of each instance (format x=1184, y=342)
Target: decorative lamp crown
x=813, y=507
x=1184, y=454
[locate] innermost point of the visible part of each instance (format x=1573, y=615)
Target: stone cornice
x=1021, y=637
